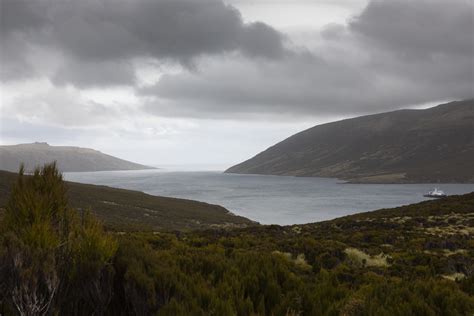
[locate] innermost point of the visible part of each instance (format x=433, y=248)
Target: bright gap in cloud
x=298, y=15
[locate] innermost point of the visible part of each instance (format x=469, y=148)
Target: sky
x=210, y=82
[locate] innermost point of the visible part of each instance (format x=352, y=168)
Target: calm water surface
x=269, y=199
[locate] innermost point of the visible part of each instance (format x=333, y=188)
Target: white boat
x=435, y=193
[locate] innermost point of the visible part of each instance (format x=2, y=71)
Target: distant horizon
x=222, y=165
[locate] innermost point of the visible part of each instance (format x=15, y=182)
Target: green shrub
x=52, y=260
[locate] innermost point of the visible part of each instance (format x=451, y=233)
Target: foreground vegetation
x=414, y=260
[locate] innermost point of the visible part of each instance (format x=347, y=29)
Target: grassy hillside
x=432, y=145
x=67, y=158
x=132, y=210
x=411, y=260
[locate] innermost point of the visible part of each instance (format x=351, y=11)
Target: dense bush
x=55, y=260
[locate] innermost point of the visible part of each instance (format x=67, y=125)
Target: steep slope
x=67, y=158
x=431, y=145
x=132, y=210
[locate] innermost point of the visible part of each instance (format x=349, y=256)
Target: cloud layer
x=392, y=54
x=97, y=40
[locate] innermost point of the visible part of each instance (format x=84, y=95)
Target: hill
x=68, y=159
x=411, y=260
x=126, y=210
x=431, y=145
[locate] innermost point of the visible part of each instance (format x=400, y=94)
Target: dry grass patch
x=296, y=229
x=286, y=255
x=359, y=258
x=454, y=276
x=299, y=261
x=450, y=230
x=448, y=252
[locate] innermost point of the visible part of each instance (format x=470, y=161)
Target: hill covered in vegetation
x=412, y=260
x=126, y=210
x=67, y=158
x=432, y=145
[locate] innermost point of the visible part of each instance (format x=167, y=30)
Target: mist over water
x=268, y=199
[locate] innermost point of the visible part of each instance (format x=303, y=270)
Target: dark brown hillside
x=133, y=210
x=431, y=145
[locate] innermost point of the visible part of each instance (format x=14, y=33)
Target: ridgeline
x=68, y=159
x=406, y=146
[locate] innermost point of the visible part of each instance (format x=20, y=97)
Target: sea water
x=268, y=199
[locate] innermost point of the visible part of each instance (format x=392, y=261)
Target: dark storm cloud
x=22, y=15
x=418, y=28
x=14, y=64
x=395, y=53
x=298, y=87
x=96, y=33
x=239, y=87
x=93, y=74
x=19, y=19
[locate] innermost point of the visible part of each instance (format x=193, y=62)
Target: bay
x=268, y=199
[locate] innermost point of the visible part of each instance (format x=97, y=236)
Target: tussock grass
x=454, y=276
x=299, y=261
x=360, y=258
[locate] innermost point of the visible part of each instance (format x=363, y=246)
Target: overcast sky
x=215, y=82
